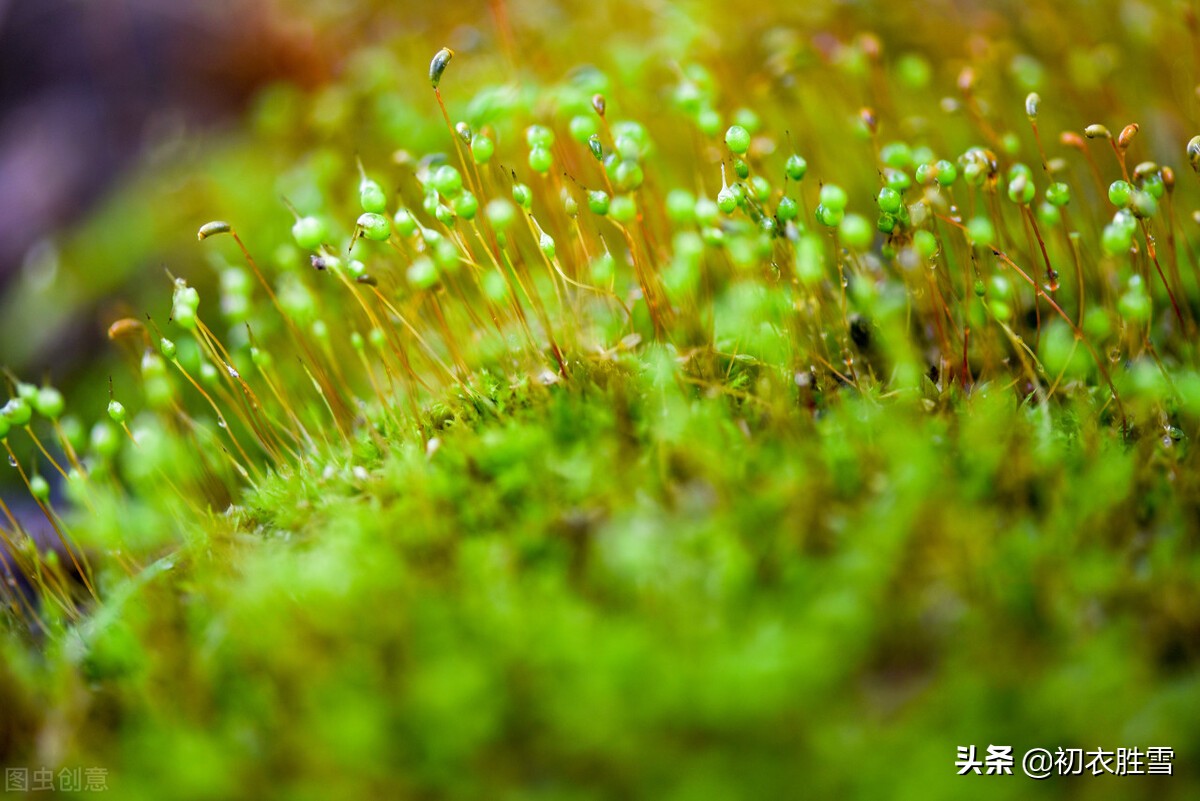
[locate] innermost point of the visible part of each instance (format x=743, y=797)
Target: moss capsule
x=441, y=59
x=374, y=226
x=49, y=403
x=309, y=232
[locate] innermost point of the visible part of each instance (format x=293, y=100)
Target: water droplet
x=12, y=460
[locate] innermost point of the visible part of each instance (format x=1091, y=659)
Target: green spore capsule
x=371, y=197
x=855, y=232
x=598, y=202
x=374, y=226
x=833, y=197
x=628, y=176
x=727, y=200
x=981, y=232
x=787, y=210
x=1143, y=204
x=17, y=412
x=406, y=225
x=422, y=273
x=116, y=411
x=167, y=348
x=926, y=244
x=500, y=213
x=681, y=206
x=482, y=149
x=1058, y=194
x=945, y=173
x=539, y=136
x=39, y=488
x=796, y=167
x=546, y=243
x=540, y=160
x=523, y=196
x=309, y=232
x=49, y=403
x=583, y=127
x=828, y=217
x=737, y=139
x=447, y=181
x=889, y=200
x=1021, y=190
x=466, y=205
x=623, y=209
x=104, y=440
x=1120, y=193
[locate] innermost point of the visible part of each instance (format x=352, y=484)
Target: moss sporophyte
x=587, y=416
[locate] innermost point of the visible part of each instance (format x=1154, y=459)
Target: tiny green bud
x=598, y=202
x=1021, y=190
x=482, y=149
x=539, y=136
x=727, y=200
x=981, y=232
x=946, y=173
x=787, y=210
x=889, y=200
x=422, y=273
x=833, y=197
x=447, y=181
x=546, y=243
x=1120, y=193
x=796, y=167
x=374, y=226
x=104, y=440
x=925, y=243
x=827, y=216
x=309, y=232
x=1058, y=194
x=540, y=159
x=371, y=196
x=500, y=213
x=855, y=232
x=466, y=205
x=49, y=403
x=628, y=176
x=523, y=196
x=681, y=206
x=623, y=209
x=1143, y=205
x=39, y=488
x=738, y=139
x=406, y=226
x=582, y=127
